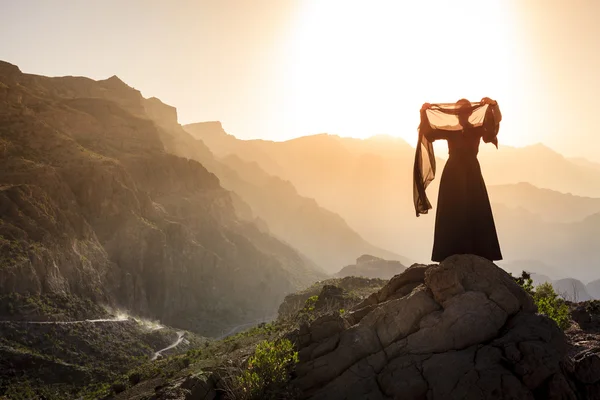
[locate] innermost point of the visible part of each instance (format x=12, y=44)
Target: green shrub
x=547, y=300
x=310, y=303
x=268, y=370
x=552, y=306
x=593, y=307
x=307, y=313
x=525, y=282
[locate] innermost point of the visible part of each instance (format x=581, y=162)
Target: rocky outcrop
x=584, y=347
x=462, y=329
x=347, y=292
x=372, y=267
x=195, y=386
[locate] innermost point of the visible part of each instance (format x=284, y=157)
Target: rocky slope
x=372, y=267
x=462, y=329
x=343, y=293
x=415, y=339
x=66, y=360
x=92, y=205
x=366, y=182
x=320, y=234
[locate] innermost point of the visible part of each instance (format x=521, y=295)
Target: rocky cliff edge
x=462, y=329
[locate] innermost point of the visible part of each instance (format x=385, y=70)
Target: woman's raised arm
x=430, y=133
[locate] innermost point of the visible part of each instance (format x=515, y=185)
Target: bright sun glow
x=359, y=68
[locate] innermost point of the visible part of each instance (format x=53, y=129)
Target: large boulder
x=462, y=329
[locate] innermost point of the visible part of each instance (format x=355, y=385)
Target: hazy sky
x=283, y=68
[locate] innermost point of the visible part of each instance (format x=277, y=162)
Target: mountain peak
x=161, y=112
x=8, y=69
x=542, y=148
x=116, y=80
x=157, y=100
x=116, y=83
x=207, y=130
x=208, y=127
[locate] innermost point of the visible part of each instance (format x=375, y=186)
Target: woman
x=464, y=223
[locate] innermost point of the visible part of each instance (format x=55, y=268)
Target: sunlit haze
x=248, y=199
x=278, y=69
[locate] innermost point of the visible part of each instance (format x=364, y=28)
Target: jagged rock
x=330, y=296
x=462, y=329
x=346, y=293
x=326, y=326
x=400, y=317
x=413, y=275
x=372, y=267
x=200, y=386
x=586, y=314
x=581, y=315
x=170, y=393
x=587, y=367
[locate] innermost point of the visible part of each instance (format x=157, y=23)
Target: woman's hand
x=425, y=106
x=487, y=100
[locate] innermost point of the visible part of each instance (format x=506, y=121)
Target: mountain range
x=109, y=207
x=104, y=195
x=95, y=204
x=543, y=202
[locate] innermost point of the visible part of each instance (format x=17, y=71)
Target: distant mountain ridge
x=541, y=166
x=319, y=233
x=569, y=288
x=369, y=184
x=549, y=205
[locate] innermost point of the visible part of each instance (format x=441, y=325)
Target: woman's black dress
x=464, y=223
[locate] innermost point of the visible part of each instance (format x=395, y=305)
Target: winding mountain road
x=116, y=319
x=180, y=334
x=180, y=338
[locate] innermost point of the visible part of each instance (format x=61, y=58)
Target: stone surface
x=587, y=368
x=462, y=329
x=372, y=267
x=400, y=317
x=200, y=386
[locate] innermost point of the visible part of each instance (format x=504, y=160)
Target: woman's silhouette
x=464, y=223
